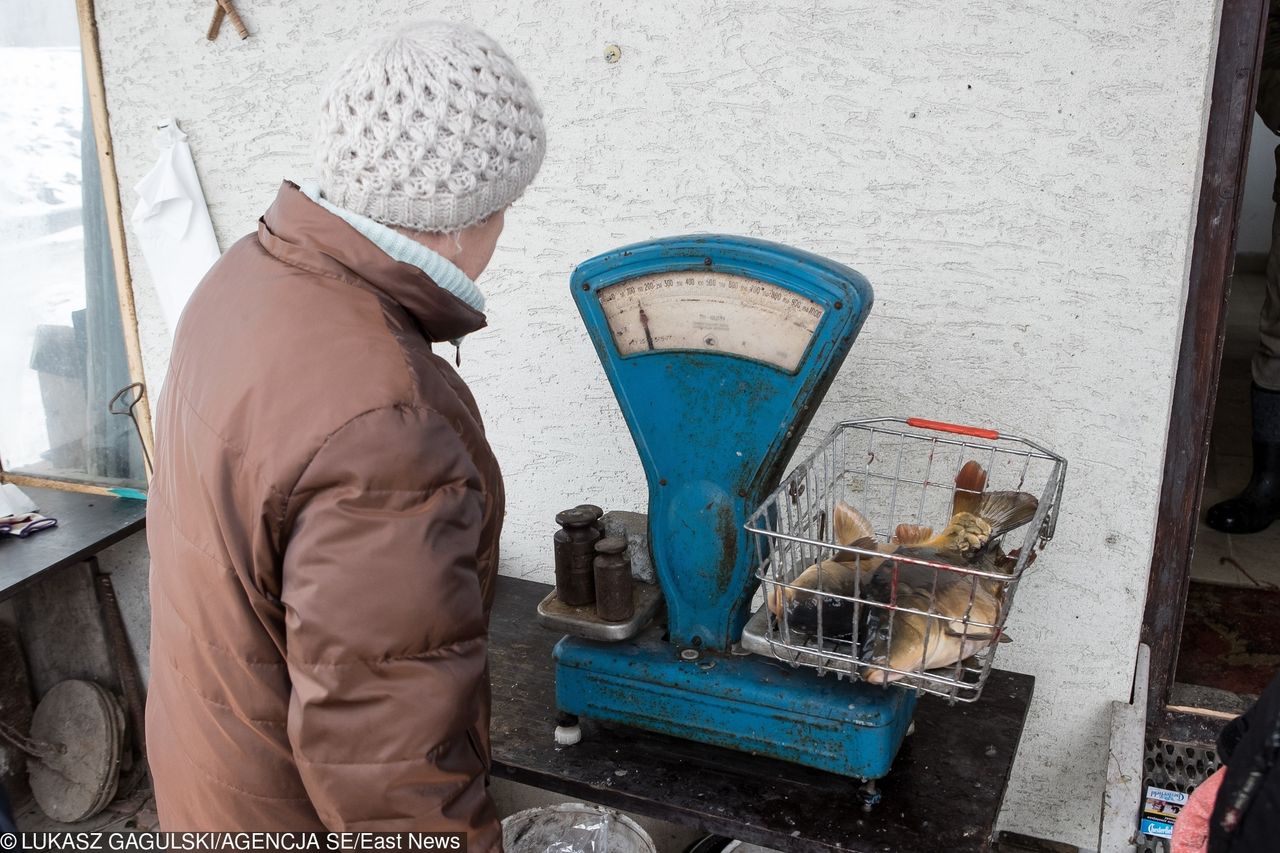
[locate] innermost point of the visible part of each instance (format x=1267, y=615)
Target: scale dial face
x=710, y=311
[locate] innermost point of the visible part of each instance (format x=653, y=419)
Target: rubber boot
x=1259, y=504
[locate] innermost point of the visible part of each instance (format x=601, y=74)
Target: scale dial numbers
x=711, y=311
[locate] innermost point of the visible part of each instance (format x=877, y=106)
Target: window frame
x=96, y=88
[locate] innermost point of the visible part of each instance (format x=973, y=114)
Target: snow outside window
x=62, y=351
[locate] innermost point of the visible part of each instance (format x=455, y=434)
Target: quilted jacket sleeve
x=385, y=629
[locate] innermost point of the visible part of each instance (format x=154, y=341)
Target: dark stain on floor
x=1230, y=638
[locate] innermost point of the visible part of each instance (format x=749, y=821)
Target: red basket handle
x=958, y=429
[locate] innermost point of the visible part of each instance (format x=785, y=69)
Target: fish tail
x=850, y=526
x=862, y=561
x=970, y=484
x=912, y=534
x=866, y=543
x=1006, y=511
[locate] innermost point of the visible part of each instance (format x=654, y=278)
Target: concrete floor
x=1219, y=558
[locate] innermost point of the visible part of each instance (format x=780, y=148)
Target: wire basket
x=854, y=584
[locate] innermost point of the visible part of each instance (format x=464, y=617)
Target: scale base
x=740, y=702
x=553, y=613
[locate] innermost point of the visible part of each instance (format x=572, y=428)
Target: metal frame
x=1243, y=25
x=115, y=217
x=881, y=465
x=92, y=59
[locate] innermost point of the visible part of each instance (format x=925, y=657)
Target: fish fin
x=880, y=676
x=1007, y=562
x=1006, y=511
x=773, y=597
x=977, y=633
x=970, y=484
x=851, y=525
x=956, y=628
x=866, y=543
x=912, y=534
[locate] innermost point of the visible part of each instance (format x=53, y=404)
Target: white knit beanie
x=433, y=129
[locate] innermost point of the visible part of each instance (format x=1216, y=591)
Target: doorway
x=1209, y=594
x=1230, y=645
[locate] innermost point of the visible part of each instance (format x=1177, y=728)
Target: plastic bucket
x=573, y=828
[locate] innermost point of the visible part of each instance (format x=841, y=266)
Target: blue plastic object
x=129, y=494
x=714, y=431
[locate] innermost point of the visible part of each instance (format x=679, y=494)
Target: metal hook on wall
x=120, y=406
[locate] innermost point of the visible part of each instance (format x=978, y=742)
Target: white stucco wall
x=1017, y=180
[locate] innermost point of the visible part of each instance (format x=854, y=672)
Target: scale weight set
x=719, y=350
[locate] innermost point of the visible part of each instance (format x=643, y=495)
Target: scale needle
x=644, y=321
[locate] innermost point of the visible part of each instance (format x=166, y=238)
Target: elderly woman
x=325, y=515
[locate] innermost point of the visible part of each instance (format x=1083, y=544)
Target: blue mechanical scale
x=719, y=349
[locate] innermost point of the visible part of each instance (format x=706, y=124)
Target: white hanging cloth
x=173, y=225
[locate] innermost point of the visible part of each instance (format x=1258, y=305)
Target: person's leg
x=1266, y=360
x=1259, y=504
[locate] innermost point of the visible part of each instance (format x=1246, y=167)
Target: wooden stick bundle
x=226, y=9
x=216, y=24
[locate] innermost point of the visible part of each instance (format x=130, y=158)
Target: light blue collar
x=400, y=247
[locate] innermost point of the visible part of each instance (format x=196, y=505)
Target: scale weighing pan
x=719, y=349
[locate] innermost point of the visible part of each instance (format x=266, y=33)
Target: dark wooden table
x=943, y=794
x=86, y=525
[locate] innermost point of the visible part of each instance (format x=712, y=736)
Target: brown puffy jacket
x=323, y=527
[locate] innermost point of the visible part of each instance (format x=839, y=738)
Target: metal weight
x=596, y=515
x=574, y=549
x=613, y=580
